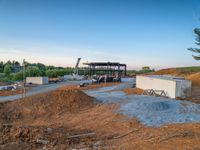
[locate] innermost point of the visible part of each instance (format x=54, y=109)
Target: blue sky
x=155, y=33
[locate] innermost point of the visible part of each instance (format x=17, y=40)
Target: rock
x=40, y=141
x=49, y=130
x=7, y=125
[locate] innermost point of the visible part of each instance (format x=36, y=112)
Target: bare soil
x=130, y=91
x=12, y=92
x=68, y=118
x=90, y=86
x=195, y=78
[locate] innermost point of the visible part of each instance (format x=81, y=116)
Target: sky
x=153, y=33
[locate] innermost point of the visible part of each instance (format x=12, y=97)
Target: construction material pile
x=157, y=111
x=48, y=104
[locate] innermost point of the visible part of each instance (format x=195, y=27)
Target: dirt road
x=39, y=89
x=50, y=87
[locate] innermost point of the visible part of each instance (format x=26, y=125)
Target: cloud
x=11, y=51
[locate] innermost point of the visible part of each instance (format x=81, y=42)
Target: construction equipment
x=75, y=71
x=75, y=75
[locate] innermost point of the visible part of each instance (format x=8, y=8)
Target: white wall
x=145, y=82
x=172, y=87
x=183, y=88
x=37, y=80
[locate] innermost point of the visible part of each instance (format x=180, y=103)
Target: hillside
x=190, y=73
x=181, y=71
x=195, y=78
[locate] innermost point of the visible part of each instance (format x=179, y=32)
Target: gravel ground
x=149, y=110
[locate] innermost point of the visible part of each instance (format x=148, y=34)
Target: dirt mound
x=133, y=91
x=195, y=78
x=48, y=104
x=169, y=71
x=181, y=71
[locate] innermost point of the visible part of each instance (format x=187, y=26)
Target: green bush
x=7, y=70
x=18, y=76
x=57, y=72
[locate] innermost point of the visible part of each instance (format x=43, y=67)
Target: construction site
x=99, y=74
x=106, y=110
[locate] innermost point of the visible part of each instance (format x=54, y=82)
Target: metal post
x=125, y=70
x=24, y=78
x=119, y=74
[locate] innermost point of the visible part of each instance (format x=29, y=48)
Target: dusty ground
x=195, y=78
x=133, y=91
x=12, y=92
x=195, y=95
x=3, y=83
x=90, y=86
x=51, y=120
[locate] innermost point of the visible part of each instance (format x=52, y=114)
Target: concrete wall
x=173, y=87
x=37, y=80
x=145, y=82
x=183, y=88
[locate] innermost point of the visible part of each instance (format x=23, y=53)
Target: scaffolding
x=106, y=68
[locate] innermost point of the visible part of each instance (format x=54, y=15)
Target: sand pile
x=48, y=104
x=195, y=78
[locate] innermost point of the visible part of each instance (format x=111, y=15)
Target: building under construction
x=109, y=68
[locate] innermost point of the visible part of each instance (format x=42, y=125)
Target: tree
x=33, y=71
x=1, y=67
x=196, y=50
x=146, y=68
x=18, y=76
x=7, y=70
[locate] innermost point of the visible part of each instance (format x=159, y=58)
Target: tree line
x=13, y=70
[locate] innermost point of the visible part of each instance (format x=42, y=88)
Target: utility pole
x=24, y=78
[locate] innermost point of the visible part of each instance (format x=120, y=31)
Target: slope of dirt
x=169, y=71
x=133, y=91
x=182, y=71
x=195, y=78
x=190, y=73
x=48, y=104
